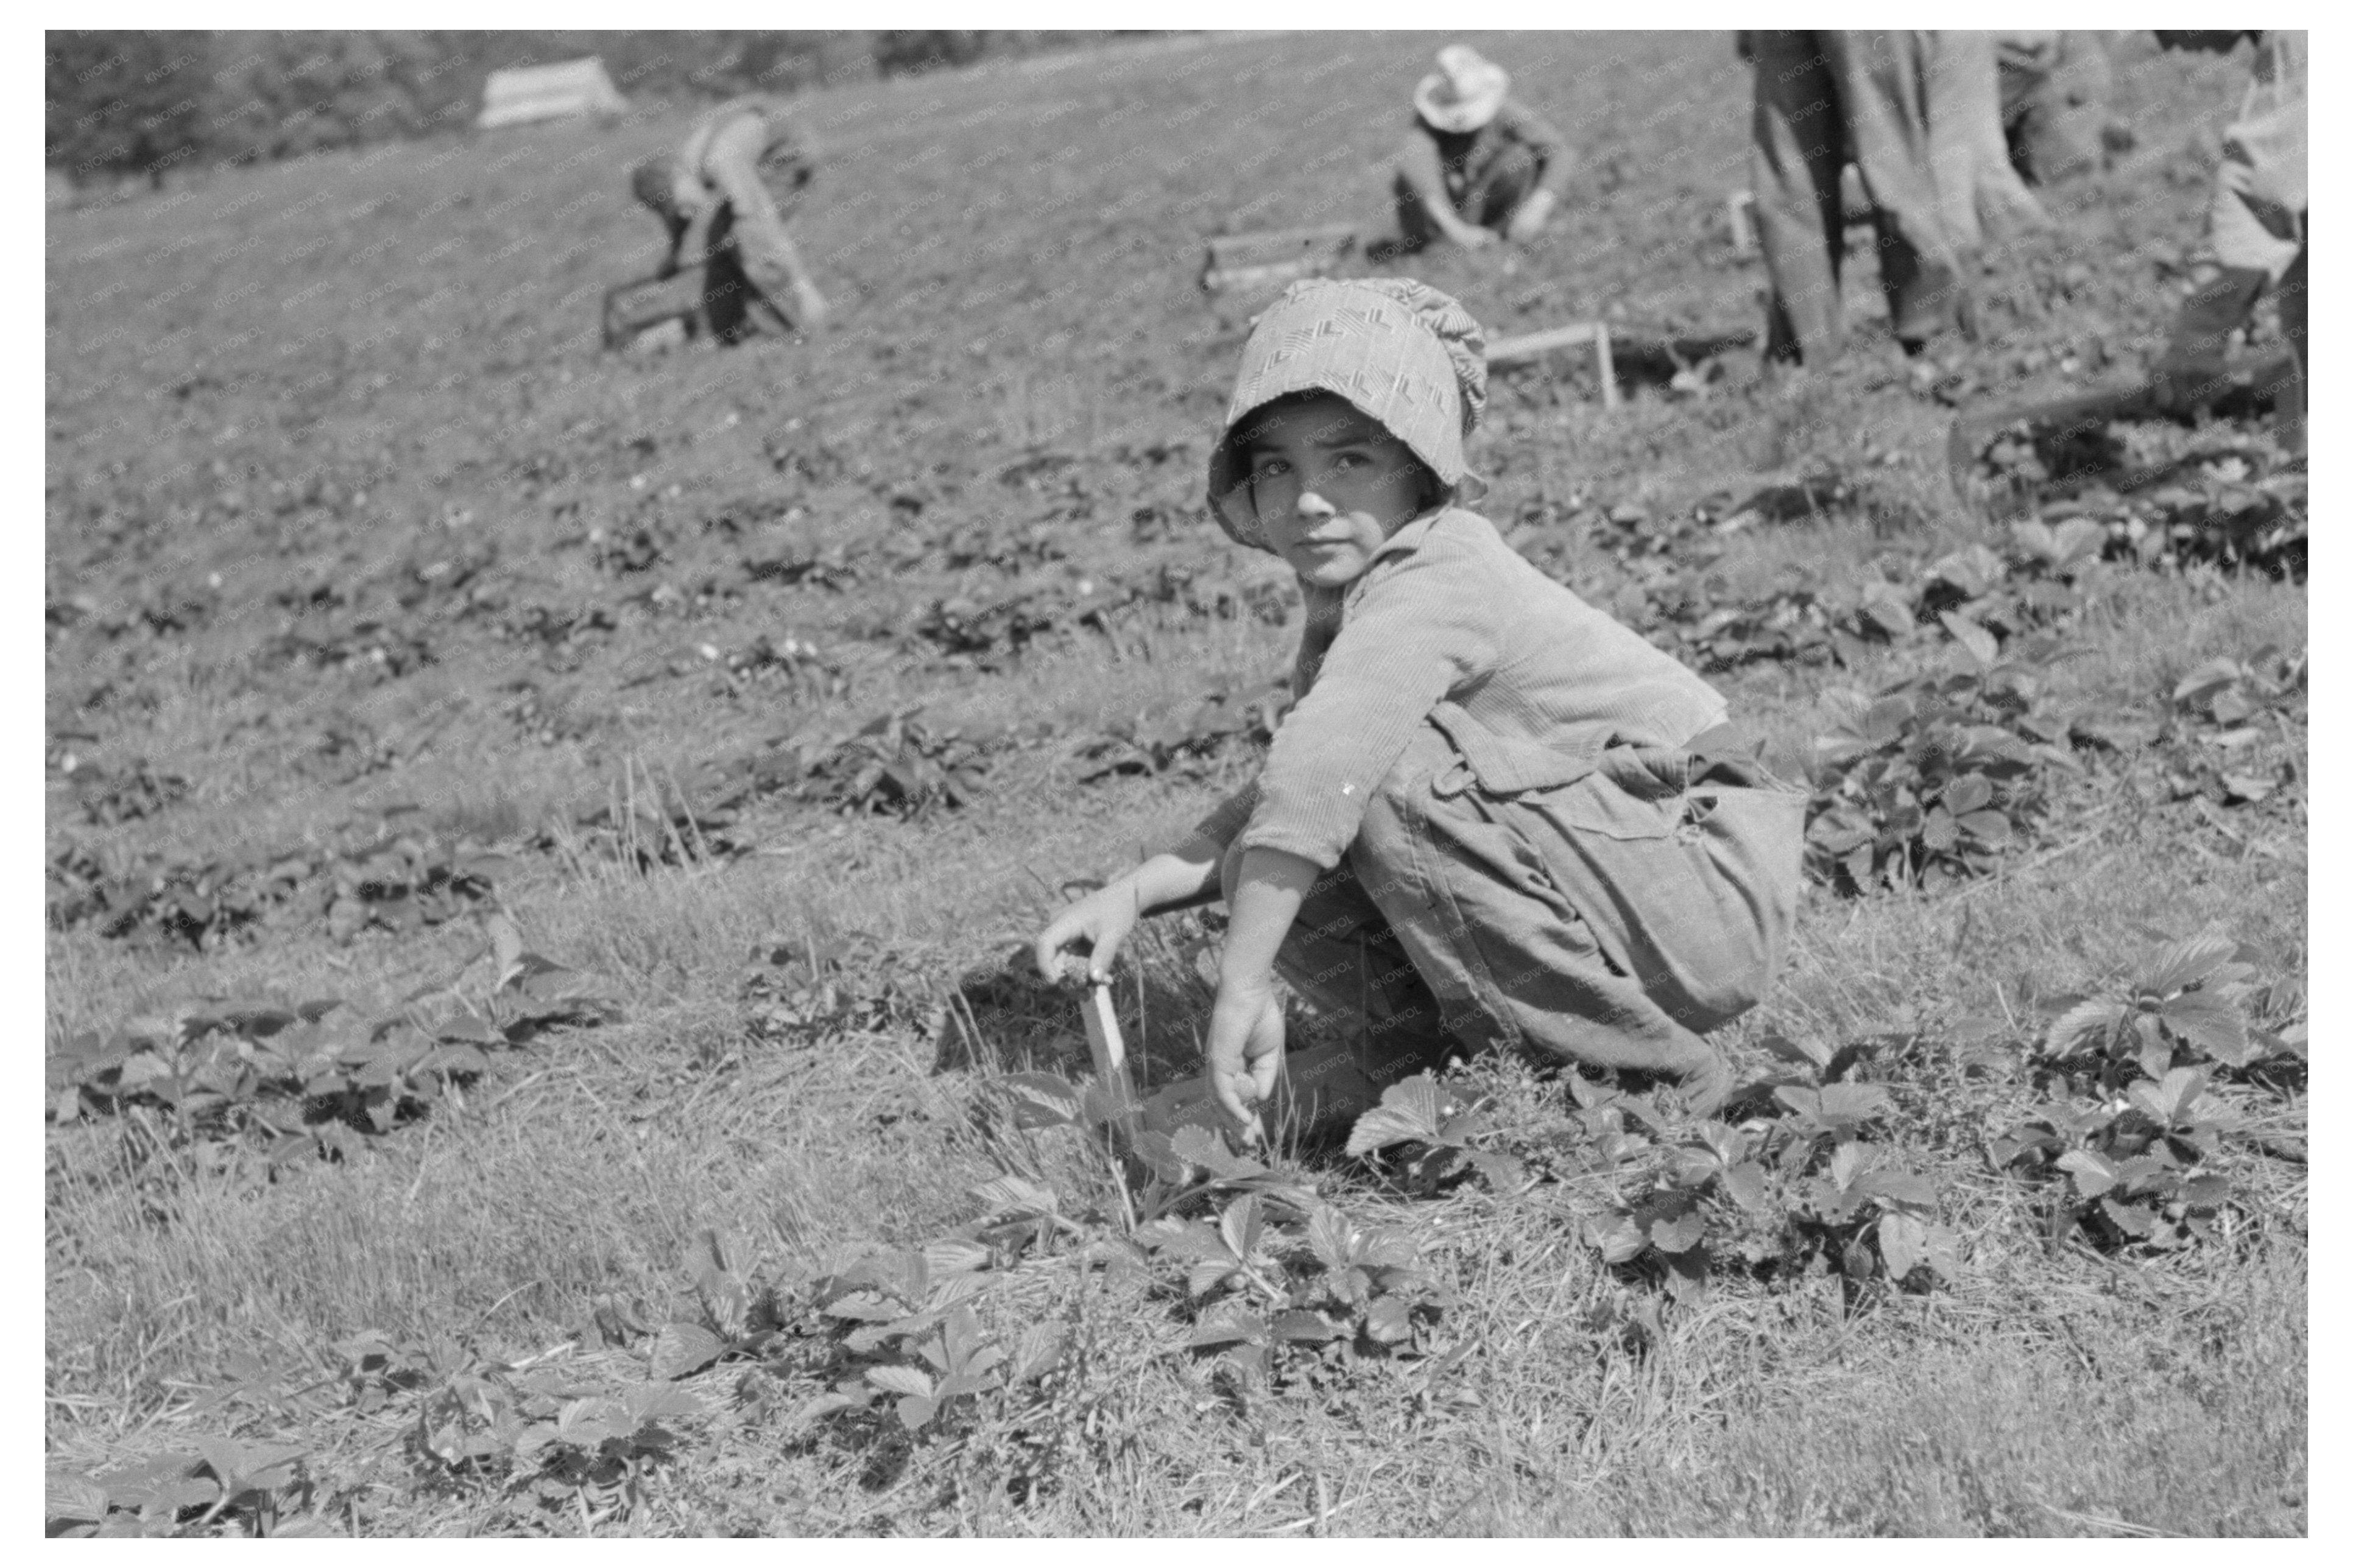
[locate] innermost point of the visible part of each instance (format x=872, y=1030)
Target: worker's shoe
x=1934, y=300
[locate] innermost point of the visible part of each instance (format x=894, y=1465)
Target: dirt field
x=660, y=758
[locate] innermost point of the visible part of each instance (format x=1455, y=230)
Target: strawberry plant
x=1184, y=739
x=2234, y=508
x=1602, y=1118
x=1797, y=1186
x=541, y=1429
x=986, y=634
x=1193, y=1163
x=2058, y=547
x=960, y=1365
x=291, y=1081
x=393, y=881
x=2230, y=515
x=1275, y=1302
x=797, y=992
x=1665, y=1229
x=2130, y=1164
x=213, y=1484
x=1837, y=1112
x=1870, y=1217
x=1438, y=1131
x=2185, y=1007
x=1983, y=599
x=536, y=1427
x=1930, y=782
x=2229, y=721
x=895, y=766
x=740, y=1313
x=2230, y=692
x=918, y=1344
x=107, y=799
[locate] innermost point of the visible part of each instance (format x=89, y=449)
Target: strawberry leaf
x=681, y=1349
x=1408, y=1113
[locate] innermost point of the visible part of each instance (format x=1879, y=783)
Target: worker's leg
x=2255, y=226
x=1882, y=83
x=2294, y=301
x=770, y=257
x=1980, y=196
x=1415, y=230
x=728, y=295
x=1798, y=146
x=1505, y=183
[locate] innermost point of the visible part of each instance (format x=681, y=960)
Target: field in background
x=379, y=601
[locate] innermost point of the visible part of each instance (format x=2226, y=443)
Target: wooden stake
x=1535, y=345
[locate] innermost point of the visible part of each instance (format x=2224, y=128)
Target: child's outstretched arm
x=1246, y=1027
x=1098, y=923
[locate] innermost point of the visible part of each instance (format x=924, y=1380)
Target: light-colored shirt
x=753, y=126
x=1448, y=612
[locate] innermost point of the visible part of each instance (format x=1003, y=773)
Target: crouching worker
x=724, y=197
x=2257, y=224
x=1494, y=815
x=1477, y=163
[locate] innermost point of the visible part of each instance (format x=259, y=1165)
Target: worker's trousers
x=1825, y=99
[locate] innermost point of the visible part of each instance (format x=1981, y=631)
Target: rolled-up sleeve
x=1223, y=825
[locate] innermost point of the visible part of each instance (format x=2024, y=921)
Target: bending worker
x=723, y=195
x=1477, y=164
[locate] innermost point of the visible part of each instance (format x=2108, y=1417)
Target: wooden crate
x=1645, y=354
x=1535, y=345
x=1275, y=256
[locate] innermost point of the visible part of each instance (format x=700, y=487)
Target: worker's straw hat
x=1465, y=92
x=1400, y=350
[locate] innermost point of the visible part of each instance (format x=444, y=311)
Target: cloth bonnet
x=1399, y=350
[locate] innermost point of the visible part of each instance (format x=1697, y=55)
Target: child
x=1478, y=164
x=1495, y=817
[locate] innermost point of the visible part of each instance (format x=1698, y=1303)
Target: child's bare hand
x=1094, y=927
x=1245, y=1048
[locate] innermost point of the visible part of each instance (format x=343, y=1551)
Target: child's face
x=1330, y=486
